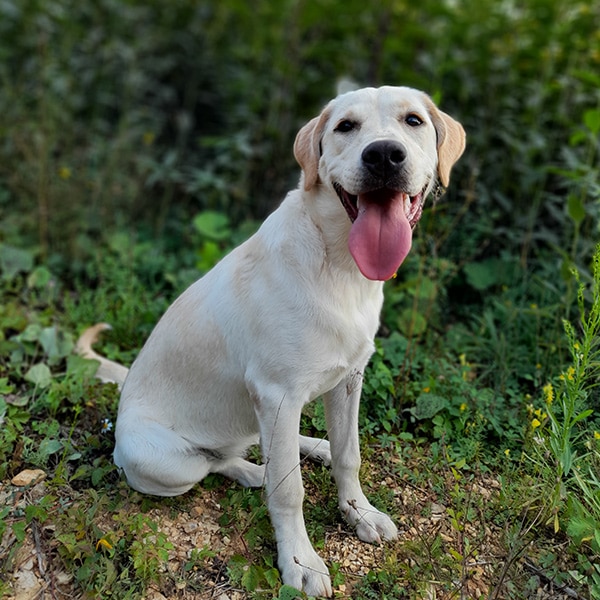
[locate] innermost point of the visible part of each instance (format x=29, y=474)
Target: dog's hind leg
x=155, y=459
x=250, y=475
x=316, y=449
x=245, y=473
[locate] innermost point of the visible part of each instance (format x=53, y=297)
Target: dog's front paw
x=305, y=570
x=371, y=524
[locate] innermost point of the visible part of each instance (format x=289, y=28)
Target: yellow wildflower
x=597, y=435
x=570, y=373
x=427, y=389
x=535, y=424
x=548, y=393
x=463, y=406
x=64, y=173
x=149, y=137
x=103, y=543
x=507, y=452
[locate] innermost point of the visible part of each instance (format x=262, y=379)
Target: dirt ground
x=37, y=572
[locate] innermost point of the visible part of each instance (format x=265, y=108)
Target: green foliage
x=567, y=446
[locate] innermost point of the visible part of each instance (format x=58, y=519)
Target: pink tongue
x=381, y=236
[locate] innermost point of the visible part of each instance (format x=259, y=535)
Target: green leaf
x=48, y=447
x=14, y=260
x=425, y=288
x=272, y=577
x=482, y=275
x=287, y=592
x=582, y=415
x=56, y=344
x=428, y=405
x=582, y=528
x=39, y=278
x=251, y=578
x=39, y=375
x=5, y=387
x=18, y=529
x=213, y=225
x=575, y=209
x=460, y=463
x=31, y=333
x=411, y=322
x=81, y=369
x=34, y=511
x=17, y=400
x=591, y=119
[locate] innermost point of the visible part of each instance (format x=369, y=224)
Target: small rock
x=190, y=526
x=27, y=585
x=154, y=594
x=63, y=578
x=27, y=477
x=437, y=509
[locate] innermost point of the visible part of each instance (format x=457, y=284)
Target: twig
x=38, y=548
x=565, y=589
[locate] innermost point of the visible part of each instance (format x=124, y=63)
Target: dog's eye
x=413, y=120
x=345, y=126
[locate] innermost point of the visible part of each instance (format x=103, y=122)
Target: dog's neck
x=330, y=220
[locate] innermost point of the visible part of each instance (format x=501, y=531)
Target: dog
x=288, y=316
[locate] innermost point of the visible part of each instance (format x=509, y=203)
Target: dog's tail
x=108, y=371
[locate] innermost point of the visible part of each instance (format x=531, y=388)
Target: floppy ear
x=451, y=140
x=307, y=149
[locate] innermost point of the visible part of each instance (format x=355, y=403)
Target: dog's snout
x=384, y=157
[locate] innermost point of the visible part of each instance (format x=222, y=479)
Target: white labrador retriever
x=286, y=317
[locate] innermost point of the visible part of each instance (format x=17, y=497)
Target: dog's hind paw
x=315, y=449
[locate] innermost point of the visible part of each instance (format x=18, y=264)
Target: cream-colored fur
x=283, y=319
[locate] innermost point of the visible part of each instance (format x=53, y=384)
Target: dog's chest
x=338, y=352
x=343, y=339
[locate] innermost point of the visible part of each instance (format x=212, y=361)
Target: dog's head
x=381, y=151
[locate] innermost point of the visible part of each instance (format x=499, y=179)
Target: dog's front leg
x=300, y=566
x=341, y=413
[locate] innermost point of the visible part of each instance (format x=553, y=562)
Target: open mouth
x=380, y=236
x=413, y=205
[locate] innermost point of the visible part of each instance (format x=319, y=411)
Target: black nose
x=384, y=158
